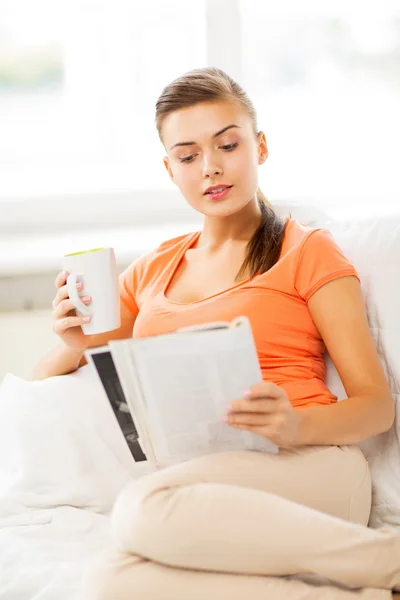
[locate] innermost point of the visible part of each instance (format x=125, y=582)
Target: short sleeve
x=128, y=284
x=321, y=260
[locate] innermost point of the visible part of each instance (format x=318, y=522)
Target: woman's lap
x=332, y=479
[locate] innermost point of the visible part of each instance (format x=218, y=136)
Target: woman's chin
x=222, y=209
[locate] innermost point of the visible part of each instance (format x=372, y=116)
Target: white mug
x=97, y=270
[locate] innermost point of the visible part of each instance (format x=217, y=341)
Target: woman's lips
x=219, y=195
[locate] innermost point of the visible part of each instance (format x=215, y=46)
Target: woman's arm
x=338, y=312
x=62, y=359
x=58, y=361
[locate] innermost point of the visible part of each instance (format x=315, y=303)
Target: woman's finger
x=267, y=431
x=65, y=306
x=61, y=325
x=246, y=419
x=265, y=389
x=61, y=279
x=256, y=405
x=62, y=294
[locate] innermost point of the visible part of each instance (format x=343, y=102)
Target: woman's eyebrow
x=214, y=136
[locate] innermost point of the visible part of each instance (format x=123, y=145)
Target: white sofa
x=373, y=246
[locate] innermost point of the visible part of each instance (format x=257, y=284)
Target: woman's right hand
x=65, y=323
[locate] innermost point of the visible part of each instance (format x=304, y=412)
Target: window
x=325, y=80
x=79, y=80
x=78, y=86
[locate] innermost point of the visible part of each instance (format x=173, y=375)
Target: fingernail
x=246, y=393
x=79, y=285
x=86, y=319
x=86, y=299
x=225, y=418
x=229, y=408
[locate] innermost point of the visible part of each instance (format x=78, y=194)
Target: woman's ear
x=262, y=147
x=168, y=167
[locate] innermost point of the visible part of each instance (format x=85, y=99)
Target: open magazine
x=169, y=392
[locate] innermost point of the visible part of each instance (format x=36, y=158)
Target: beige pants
x=226, y=525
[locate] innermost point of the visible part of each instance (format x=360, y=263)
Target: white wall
x=24, y=338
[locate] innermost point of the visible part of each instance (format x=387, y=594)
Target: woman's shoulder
x=160, y=257
x=176, y=243
x=169, y=248
x=147, y=268
x=298, y=235
x=312, y=258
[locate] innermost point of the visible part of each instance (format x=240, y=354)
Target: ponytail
x=264, y=248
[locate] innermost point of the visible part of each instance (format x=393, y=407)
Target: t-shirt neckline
x=189, y=244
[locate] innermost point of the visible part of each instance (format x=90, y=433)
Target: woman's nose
x=210, y=168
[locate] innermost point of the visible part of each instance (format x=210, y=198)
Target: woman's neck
x=237, y=227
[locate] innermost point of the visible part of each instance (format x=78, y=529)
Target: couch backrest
x=373, y=246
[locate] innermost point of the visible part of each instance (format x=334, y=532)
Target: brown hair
x=211, y=84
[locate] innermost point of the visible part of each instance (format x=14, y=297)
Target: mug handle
x=72, y=280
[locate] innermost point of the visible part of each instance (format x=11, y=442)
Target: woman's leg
x=124, y=576
x=225, y=513
x=332, y=479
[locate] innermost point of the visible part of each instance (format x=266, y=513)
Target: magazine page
x=130, y=383
x=187, y=380
x=101, y=359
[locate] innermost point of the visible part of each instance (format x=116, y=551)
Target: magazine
x=169, y=392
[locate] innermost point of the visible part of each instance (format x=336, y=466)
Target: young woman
x=301, y=295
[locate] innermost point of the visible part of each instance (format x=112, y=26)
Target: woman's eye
x=229, y=147
x=187, y=158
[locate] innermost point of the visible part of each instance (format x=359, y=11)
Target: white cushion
x=373, y=246
x=307, y=214
x=60, y=444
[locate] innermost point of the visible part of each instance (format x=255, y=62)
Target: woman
x=301, y=295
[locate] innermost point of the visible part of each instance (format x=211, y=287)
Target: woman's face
x=213, y=144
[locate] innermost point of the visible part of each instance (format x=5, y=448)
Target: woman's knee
x=141, y=520
x=148, y=514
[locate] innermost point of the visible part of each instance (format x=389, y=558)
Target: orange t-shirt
x=290, y=348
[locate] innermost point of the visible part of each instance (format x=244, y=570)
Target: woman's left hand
x=266, y=410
